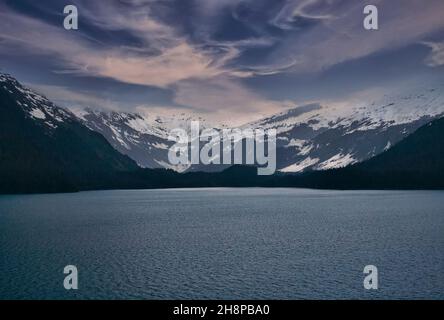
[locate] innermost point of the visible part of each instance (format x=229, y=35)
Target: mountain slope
x=144, y=138
x=44, y=148
x=310, y=137
x=325, y=137
x=417, y=162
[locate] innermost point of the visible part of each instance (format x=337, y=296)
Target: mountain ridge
x=310, y=137
x=417, y=162
x=44, y=148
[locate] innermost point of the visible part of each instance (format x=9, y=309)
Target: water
x=223, y=244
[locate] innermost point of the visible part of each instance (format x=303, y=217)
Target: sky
x=229, y=60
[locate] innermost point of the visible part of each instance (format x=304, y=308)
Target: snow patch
x=160, y=146
x=140, y=125
x=296, y=143
x=300, y=166
x=79, y=113
x=338, y=161
x=117, y=136
x=37, y=114
x=305, y=150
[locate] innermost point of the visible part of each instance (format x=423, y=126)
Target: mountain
x=44, y=148
x=316, y=137
x=310, y=137
x=417, y=162
x=142, y=137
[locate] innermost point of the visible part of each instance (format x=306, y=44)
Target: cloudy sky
x=231, y=60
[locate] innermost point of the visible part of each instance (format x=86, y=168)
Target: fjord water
x=223, y=244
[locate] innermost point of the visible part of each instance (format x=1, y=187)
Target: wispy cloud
x=227, y=100
x=343, y=39
x=172, y=59
x=198, y=75
x=210, y=54
x=294, y=10
x=67, y=97
x=436, y=56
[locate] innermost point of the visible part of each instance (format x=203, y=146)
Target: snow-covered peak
x=121, y=121
x=140, y=123
x=35, y=105
x=314, y=136
x=397, y=108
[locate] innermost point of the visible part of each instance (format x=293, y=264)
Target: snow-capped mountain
x=312, y=136
x=44, y=148
x=142, y=137
x=144, y=141
x=35, y=106
x=324, y=137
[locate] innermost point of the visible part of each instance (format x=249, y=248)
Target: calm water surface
x=223, y=244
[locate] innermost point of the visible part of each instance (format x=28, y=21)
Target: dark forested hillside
x=44, y=148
